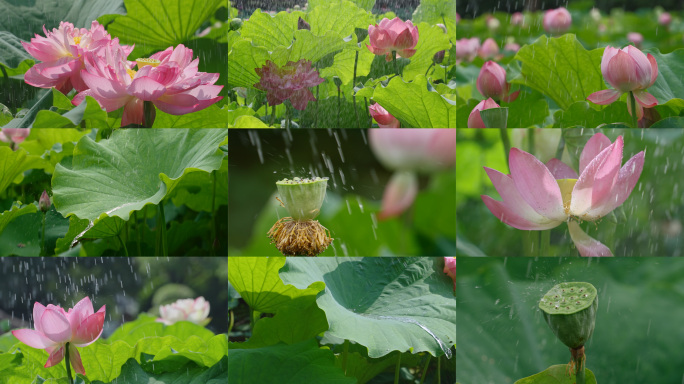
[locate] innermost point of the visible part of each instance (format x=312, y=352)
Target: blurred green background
x=503, y=337
x=127, y=286
x=259, y=158
x=647, y=224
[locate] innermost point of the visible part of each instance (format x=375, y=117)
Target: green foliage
x=556, y=374
x=499, y=318
x=384, y=304
x=123, y=174
x=155, y=25
x=415, y=104
x=560, y=68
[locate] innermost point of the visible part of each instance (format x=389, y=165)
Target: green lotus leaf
x=341, y=17
x=416, y=105
x=257, y=281
x=154, y=25
x=560, y=68
x=25, y=18
x=303, y=362
x=210, y=117
x=432, y=39
x=385, y=304
x=14, y=163
x=130, y=169
x=13, y=56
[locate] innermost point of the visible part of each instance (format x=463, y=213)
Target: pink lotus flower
x=393, y=35
x=467, y=49
x=54, y=328
x=458, y=18
x=538, y=197
x=512, y=47
x=489, y=49
x=384, y=118
x=14, y=135
x=408, y=151
x=635, y=38
x=492, y=23
x=517, y=19
x=664, y=19
x=169, y=79
x=291, y=81
x=192, y=310
x=627, y=70
x=61, y=52
x=474, y=119
x=450, y=268
x=557, y=21
x=491, y=82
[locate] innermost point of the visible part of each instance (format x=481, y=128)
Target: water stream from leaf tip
x=441, y=344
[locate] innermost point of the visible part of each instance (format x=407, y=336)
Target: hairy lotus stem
x=570, y=311
x=635, y=122
x=300, y=234
x=68, y=365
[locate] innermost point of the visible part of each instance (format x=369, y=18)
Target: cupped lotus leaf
x=432, y=40
x=243, y=59
x=269, y=31
x=341, y=17
x=556, y=374
x=14, y=212
x=14, y=163
x=154, y=25
x=561, y=68
x=133, y=373
x=299, y=363
x=385, y=304
x=25, y=18
x=13, y=56
x=415, y=104
x=669, y=84
x=436, y=11
x=130, y=169
x=257, y=281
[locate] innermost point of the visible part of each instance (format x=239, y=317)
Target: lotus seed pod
x=570, y=310
x=303, y=197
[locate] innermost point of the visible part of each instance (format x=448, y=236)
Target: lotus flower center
x=131, y=73
x=566, y=187
x=143, y=62
x=77, y=40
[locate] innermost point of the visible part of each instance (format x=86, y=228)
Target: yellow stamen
x=566, y=186
x=77, y=40
x=131, y=73
x=143, y=62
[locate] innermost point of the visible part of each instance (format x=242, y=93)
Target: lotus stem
x=635, y=122
x=425, y=369
x=68, y=364
x=345, y=353
x=137, y=231
x=506, y=142
x=316, y=112
x=545, y=243
x=356, y=111
x=430, y=67
x=272, y=115
x=579, y=358
x=162, y=247
x=213, y=219
x=43, y=251
x=231, y=322
x=123, y=245
x=560, y=148
x=397, y=369
x=394, y=55
x=339, y=106
x=148, y=114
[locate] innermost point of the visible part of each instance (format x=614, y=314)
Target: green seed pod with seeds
x=303, y=197
x=570, y=311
